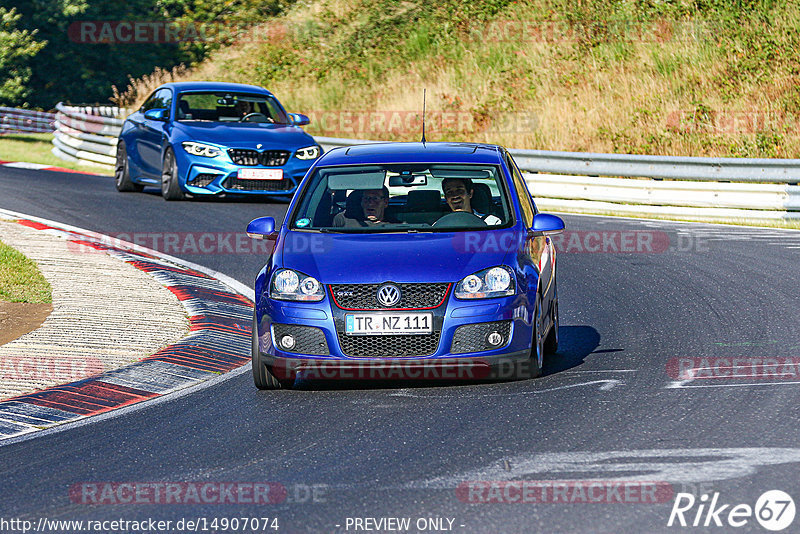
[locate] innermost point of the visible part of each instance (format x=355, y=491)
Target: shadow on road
x=574, y=344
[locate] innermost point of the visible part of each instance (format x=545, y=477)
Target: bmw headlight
x=201, y=149
x=486, y=284
x=292, y=285
x=309, y=152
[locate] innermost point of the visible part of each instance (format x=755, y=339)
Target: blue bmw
x=408, y=259
x=208, y=138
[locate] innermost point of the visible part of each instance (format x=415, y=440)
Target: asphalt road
x=610, y=406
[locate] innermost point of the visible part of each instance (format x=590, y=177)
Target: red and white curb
x=220, y=316
x=43, y=167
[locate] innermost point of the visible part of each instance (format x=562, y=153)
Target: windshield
x=404, y=197
x=229, y=107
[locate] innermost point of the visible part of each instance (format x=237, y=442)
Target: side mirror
x=546, y=224
x=298, y=119
x=261, y=228
x=157, y=114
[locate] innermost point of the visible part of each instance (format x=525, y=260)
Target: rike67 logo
x=774, y=510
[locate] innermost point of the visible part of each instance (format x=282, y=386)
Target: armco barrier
x=87, y=134
x=25, y=120
x=684, y=187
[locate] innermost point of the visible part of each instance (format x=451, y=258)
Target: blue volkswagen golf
x=208, y=138
x=406, y=260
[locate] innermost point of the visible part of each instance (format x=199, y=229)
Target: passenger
x=458, y=194
x=373, y=203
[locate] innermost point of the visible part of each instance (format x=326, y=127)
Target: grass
x=35, y=148
x=710, y=78
x=20, y=279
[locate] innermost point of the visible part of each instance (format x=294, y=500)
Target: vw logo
x=388, y=295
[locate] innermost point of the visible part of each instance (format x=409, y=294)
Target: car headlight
x=201, y=149
x=486, y=284
x=309, y=152
x=292, y=285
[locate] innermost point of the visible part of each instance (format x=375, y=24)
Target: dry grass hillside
x=700, y=77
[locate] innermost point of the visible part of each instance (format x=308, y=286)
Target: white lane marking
x=663, y=465
x=680, y=385
x=26, y=165
x=606, y=385
x=719, y=227
x=82, y=234
x=693, y=373
x=130, y=408
x=602, y=371
x=235, y=284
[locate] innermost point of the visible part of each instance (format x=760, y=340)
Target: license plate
x=384, y=324
x=261, y=174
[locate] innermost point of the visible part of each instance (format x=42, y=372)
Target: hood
x=375, y=258
x=246, y=135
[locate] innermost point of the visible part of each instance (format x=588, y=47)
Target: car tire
x=551, y=341
x=122, y=176
x=536, y=360
x=170, y=189
x=263, y=378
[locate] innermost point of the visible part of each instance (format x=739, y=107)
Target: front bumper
x=218, y=176
x=460, y=330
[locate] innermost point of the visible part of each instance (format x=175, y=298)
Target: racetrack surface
x=610, y=403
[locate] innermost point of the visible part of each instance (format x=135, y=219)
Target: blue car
x=406, y=260
x=208, y=138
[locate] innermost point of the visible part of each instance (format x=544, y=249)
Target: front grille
x=413, y=296
x=273, y=158
x=243, y=156
x=202, y=180
x=308, y=340
x=389, y=346
x=474, y=337
x=238, y=184
x=267, y=158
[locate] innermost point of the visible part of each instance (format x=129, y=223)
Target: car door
x=152, y=133
x=538, y=250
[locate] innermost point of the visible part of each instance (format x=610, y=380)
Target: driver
x=458, y=194
x=374, y=203
x=247, y=111
x=244, y=108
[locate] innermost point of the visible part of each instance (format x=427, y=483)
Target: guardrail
x=25, y=120
x=87, y=134
x=685, y=187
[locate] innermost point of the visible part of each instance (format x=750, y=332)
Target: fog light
x=494, y=339
x=287, y=342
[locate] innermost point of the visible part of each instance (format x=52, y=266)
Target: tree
x=72, y=69
x=17, y=47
